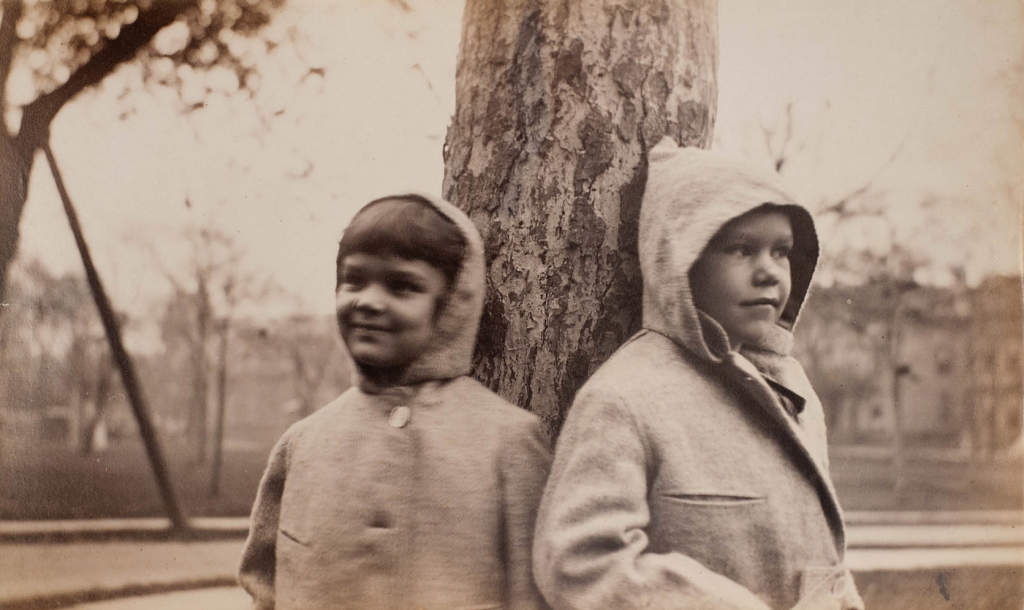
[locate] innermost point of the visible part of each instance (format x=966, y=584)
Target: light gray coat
x=434, y=513
x=680, y=480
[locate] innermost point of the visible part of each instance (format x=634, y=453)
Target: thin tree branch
x=841, y=205
x=39, y=113
x=777, y=160
x=402, y=4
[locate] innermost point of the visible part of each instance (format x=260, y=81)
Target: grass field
x=40, y=480
x=52, y=481
x=868, y=483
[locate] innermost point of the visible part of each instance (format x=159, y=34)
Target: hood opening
x=690, y=195
x=449, y=349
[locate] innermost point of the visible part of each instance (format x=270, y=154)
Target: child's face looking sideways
x=386, y=307
x=742, y=277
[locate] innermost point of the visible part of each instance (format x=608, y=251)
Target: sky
x=910, y=96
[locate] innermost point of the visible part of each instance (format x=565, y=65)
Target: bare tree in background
x=556, y=106
x=891, y=266
x=92, y=370
x=197, y=326
x=52, y=350
x=310, y=352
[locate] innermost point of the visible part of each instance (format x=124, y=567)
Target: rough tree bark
x=557, y=104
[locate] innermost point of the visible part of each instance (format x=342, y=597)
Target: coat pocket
x=287, y=535
x=724, y=530
x=293, y=557
x=720, y=499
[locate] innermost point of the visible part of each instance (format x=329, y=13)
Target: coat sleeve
x=591, y=545
x=526, y=461
x=258, y=565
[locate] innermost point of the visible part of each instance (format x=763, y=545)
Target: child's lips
x=761, y=303
x=369, y=327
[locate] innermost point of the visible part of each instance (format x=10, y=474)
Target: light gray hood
x=691, y=193
x=450, y=351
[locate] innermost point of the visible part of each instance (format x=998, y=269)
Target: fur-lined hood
x=691, y=193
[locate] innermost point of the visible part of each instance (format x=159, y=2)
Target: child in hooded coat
x=690, y=473
x=414, y=489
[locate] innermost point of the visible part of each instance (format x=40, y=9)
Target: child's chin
x=755, y=335
x=377, y=361
x=373, y=362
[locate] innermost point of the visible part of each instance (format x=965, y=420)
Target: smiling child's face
x=386, y=306
x=742, y=278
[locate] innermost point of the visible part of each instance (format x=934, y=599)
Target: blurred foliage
x=56, y=38
x=47, y=338
x=52, y=50
x=53, y=352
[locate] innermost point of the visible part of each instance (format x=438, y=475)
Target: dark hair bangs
x=407, y=227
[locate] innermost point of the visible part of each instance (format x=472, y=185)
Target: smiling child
x=418, y=487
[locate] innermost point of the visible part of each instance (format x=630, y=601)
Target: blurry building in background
x=995, y=363
x=927, y=370
x=942, y=367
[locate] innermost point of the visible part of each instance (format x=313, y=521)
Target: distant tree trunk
x=104, y=375
x=309, y=358
x=557, y=104
x=222, y=397
x=899, y=371
x=200, y=374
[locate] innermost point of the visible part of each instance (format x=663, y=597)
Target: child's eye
x=782, y=251
x=739, y=249
x=402, y=287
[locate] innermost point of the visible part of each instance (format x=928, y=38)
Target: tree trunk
x=17, y=153
x=899, y=370
x=557, y=104
x=199, y=416
x=15, y=165
x=104, y=373
x=112, y=328
x=222, y=398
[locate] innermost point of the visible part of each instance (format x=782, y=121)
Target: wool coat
x=680, y=479
x=421, y=494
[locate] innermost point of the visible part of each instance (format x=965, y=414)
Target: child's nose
x=767, y=270
x=371, y=298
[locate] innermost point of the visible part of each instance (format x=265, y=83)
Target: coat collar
x=753, y=382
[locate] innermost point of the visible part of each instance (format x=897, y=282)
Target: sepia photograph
x=469, y=304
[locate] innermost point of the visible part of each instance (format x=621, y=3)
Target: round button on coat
x=399, y=417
